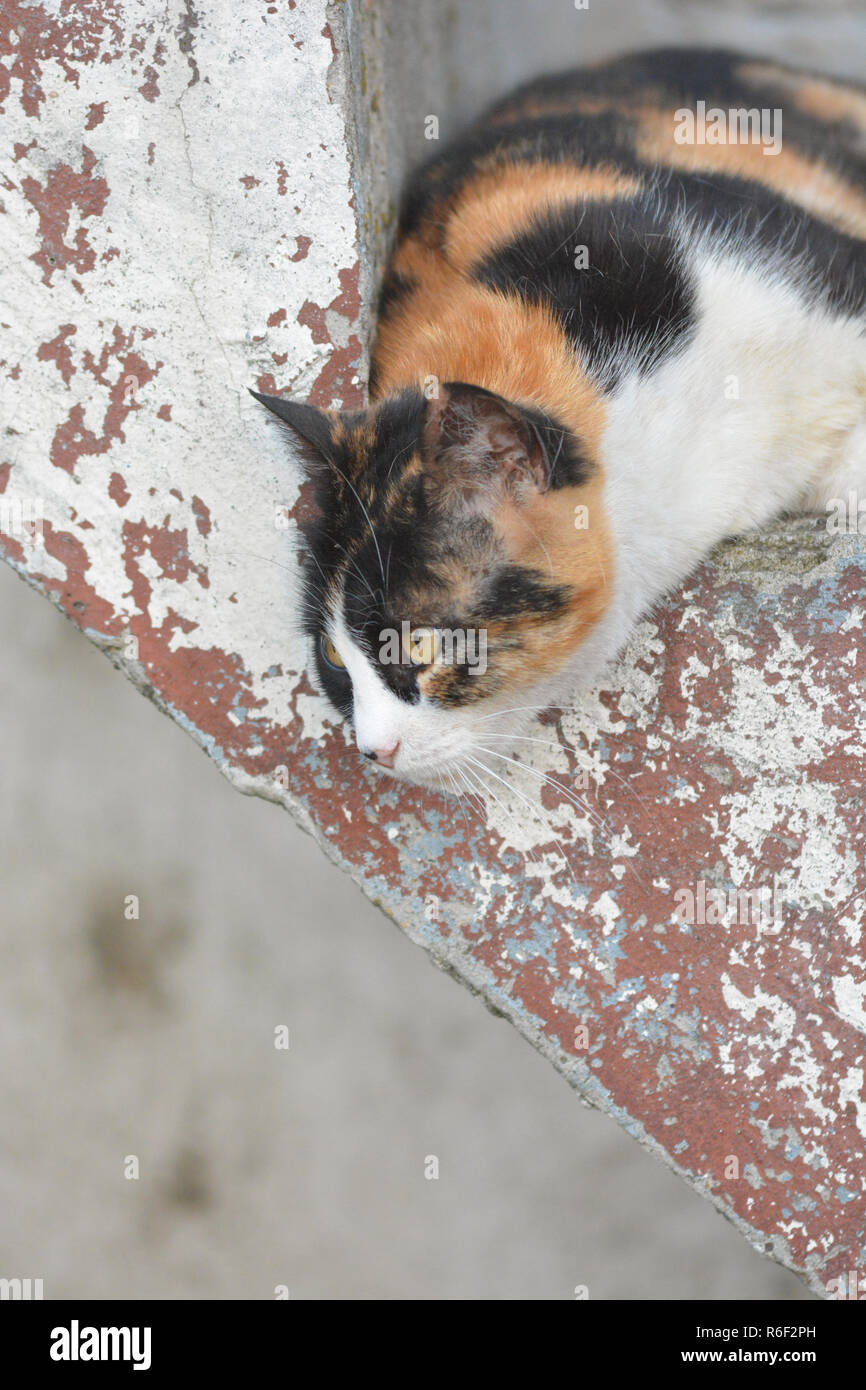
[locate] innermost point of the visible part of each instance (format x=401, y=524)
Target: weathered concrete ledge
x=193, y=207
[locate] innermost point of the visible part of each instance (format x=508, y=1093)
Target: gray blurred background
x=259, y=1167
x=154, y=1038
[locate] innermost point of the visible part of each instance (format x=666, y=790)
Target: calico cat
x=606, y=340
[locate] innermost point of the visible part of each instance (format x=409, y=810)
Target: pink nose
x=384, y=756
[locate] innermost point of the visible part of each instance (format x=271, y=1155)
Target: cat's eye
x=422, y=646
x=330, y=653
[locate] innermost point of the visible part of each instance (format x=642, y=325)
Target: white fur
x=687, y=465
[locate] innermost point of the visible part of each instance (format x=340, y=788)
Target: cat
x=624, y=318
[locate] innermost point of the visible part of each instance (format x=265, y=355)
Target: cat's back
x=615, y=127
x=638, y=166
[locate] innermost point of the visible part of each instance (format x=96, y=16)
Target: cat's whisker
x=558, y=709
x=268, y=559
x=353, y=564
x=516, y=709
x=601, y=823
x=593, y=816
x=388, y=571
x=488, y=791
x=568, y=747
x=396, y=459
x=476, y=801
x=525, y=738
x=455, y=792
x=325, y=579
x=536, y=811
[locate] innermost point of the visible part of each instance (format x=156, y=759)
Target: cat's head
x=459, y=560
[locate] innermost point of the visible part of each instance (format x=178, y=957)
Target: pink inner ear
x=482, y=441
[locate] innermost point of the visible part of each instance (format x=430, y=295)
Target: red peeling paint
x=202, y=516
x=304, y=244
x=66, y=188
x=95, y=114
x=73, y=439
x=149, y=88
x=76, y=595
x=118, y=491
x=58, y=351
x=338, y=379
x=170, y=550
x=326, y=34
x=347, y=303
x=31, y=35
x=312, y=316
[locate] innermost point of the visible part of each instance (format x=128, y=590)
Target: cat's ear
x=483, y=446
x=315, y=427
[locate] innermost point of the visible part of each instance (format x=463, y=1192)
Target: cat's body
x=674, y=338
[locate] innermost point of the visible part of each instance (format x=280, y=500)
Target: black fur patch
x=569, y=465
x=516, y=592
x=395, y=288
x=632, y=304
x=828, y=266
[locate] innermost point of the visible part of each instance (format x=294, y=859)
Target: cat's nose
x=384, y=756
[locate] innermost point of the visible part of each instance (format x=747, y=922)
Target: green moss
x=785, y=551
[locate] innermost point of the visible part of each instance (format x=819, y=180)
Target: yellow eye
x=330, y=653
x=423, y=646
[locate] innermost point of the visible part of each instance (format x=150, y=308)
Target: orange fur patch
x=826, y=101
x=495, y=207
x=802, y=181
x=530, y=108
x=542, y=535
x=452, y=330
